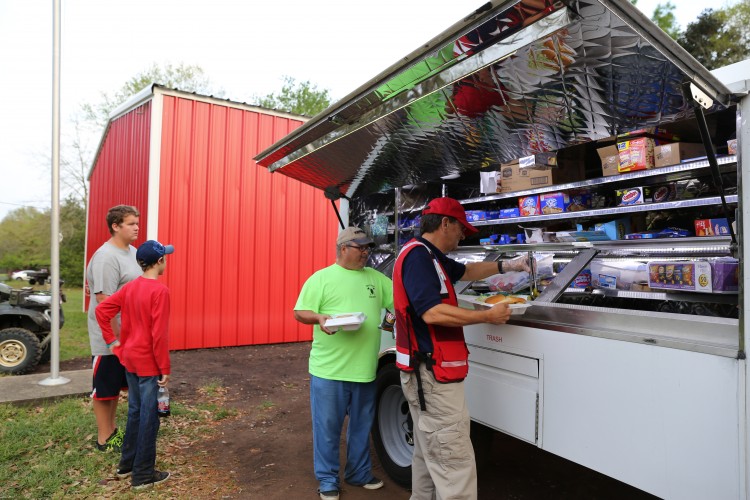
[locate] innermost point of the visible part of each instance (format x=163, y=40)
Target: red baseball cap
x=450, y=208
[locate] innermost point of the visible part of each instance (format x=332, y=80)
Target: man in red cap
x=431, y=352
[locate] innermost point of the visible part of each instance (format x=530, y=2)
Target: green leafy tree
x=25, y=240
x=301, y=98
x=715, y=39
x=664, y=18
x=189, y=78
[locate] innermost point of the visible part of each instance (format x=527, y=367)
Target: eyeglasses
x=362, y=249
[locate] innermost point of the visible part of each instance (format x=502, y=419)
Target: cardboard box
x=711, y=227
x=512, y=177
x=633, y=196
x=677, y=152
x=566, y=236
x=636, y=154
x=529, y=205
x=615, y=229
x=610, y=160
x=553, y=203
x=691, y=276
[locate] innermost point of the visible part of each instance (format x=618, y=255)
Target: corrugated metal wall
x=120, y=175
x=245, y=239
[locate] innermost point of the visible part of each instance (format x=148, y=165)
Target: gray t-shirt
x=110, y=268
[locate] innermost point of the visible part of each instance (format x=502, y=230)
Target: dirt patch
x=265, y=451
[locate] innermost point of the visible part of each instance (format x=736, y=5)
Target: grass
x=47, y=451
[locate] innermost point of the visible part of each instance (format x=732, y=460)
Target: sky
x=244, y=46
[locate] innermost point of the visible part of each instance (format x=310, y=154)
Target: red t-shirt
x=144, y=329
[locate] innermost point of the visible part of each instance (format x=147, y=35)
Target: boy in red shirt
x=143, y=349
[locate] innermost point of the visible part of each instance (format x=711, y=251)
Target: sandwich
x=504, y=299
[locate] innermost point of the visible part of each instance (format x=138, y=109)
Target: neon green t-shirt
x=351, y=356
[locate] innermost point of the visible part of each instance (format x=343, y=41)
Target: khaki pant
x=443, y=465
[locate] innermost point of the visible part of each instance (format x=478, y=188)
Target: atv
x=25, y=325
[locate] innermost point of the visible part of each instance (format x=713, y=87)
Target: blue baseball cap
x=151, y=251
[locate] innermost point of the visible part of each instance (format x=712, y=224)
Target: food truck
x=578, y=133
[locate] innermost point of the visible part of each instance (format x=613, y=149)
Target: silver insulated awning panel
x=519, y=78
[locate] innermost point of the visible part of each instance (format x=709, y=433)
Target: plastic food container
x=347, y=321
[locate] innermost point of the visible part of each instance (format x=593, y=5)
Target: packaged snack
x=633, y=196
x=529, y=205
x=692, y=276
x=712, y=227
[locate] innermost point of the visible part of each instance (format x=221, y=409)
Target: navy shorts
x=109, y=377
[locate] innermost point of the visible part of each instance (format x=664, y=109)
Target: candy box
x=664, y=192
x=554, y=203
x=633, y=196
x=732, y=146
x=583, y=280
x=692, y=276
x=529, y=205
x=636, y=154
x=507, y=213
x=711, y=227
x=725, y=275
x=579, y=200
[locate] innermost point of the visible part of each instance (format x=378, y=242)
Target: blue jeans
x=139, y=445
x=330, y=402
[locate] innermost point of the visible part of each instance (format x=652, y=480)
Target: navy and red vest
x=449, y=360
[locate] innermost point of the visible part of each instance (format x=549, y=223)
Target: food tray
x=346, y=321
x=477, y=302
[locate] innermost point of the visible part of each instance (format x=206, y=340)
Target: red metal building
x=245, y=239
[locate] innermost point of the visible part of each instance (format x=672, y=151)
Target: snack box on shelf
x=554, y=203
x=620, y=275
x=636, y=154
x=691, y=276
x=583, y=280
x=633, y=196
x=677, y=152
x=481, y=215
x=725, y=275
x=614, y=229
x=669, y=232
x=566, y=236
x=579, y=200
x=529, y=205
x=507, y=213
x=345, y=321
x=711, y=227
x=732, y=146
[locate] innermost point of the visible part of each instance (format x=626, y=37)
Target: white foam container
x=346, y=321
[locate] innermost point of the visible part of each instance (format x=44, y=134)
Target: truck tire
x=392, y=429
x=19, y=351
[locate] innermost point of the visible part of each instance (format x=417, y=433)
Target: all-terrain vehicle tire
x=392, y=430
x=19, y=351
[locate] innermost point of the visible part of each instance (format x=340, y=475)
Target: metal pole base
x=54, y=381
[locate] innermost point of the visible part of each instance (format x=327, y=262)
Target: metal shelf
x=646, y=207
x=654, y=175
x=714, y=298
x=704, y=246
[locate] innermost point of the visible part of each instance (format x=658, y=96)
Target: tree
x=715, y=39
x=182, y=77
x=301, y=98
x=25, y=240
x=664, y=18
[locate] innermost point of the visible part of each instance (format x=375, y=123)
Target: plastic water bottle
x=162, y=402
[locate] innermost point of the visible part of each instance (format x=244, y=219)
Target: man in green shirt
x=343, y=362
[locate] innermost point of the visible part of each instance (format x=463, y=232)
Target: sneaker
x=113, y=442
x=329, y=495
x=122, y=472
x=158, y=477
x=373, y=484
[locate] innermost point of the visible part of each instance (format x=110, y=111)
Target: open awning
x=510, y=80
